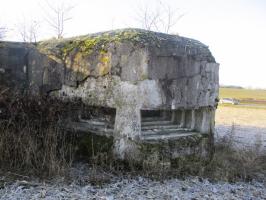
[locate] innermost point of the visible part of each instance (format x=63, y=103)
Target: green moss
x=95, y=46
x=103, y=51
x=2, y=45
x=191, y=148
x=144, y=76
x=99, y=43
x=96, y=43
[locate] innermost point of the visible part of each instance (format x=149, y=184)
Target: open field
x=242, y=93
x=250, y=112
x=248, y=124
x=248, y=119
x=227, y=115
x=247, y=97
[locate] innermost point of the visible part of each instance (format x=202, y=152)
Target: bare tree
x=148, y=18
x=28, y=31
x=169, y=18
x=161, y=18
x=2, y=32
x=56, y=15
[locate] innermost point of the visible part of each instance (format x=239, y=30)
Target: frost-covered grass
x=127, y=187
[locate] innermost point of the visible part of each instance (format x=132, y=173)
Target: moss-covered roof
x=87, y=44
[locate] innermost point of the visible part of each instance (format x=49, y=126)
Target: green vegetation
x=242, y=93
x=248, y=98
x=98, y=43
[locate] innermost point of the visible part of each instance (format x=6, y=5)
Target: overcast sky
x=235, y=30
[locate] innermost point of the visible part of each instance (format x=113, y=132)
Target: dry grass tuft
x=31, y=140
x=231, y=163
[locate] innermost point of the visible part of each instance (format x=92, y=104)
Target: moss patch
x=104, y=65
x=89, y=44
x=92, y=54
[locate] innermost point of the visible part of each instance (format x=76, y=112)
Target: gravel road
x=118, y=187
x=136, y=188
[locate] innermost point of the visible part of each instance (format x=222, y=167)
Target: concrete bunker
x=152, y=90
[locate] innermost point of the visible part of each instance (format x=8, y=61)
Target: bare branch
x=3, y=31
x=162, y=18
x=28, y=31
x=57, y=15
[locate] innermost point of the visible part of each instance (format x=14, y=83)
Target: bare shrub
x=233, y=163
x=31, y=139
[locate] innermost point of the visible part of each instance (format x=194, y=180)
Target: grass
x=243, y=116
x=31, y=140
x=248, y=98
x=250, y=106
x=231, y=163
x=242, y=93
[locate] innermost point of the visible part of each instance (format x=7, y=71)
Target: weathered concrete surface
x=131, y=71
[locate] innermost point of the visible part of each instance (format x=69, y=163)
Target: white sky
x=235, y=30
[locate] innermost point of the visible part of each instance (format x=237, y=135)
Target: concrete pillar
x=174, y=116
x=127, y=130
x=206, y=121
x=193, y=119
x=183, y=119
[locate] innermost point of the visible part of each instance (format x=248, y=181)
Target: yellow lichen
x=78, y=64
x=89, y=44
x=104, y=65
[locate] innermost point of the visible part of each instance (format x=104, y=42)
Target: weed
x=31, y=140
